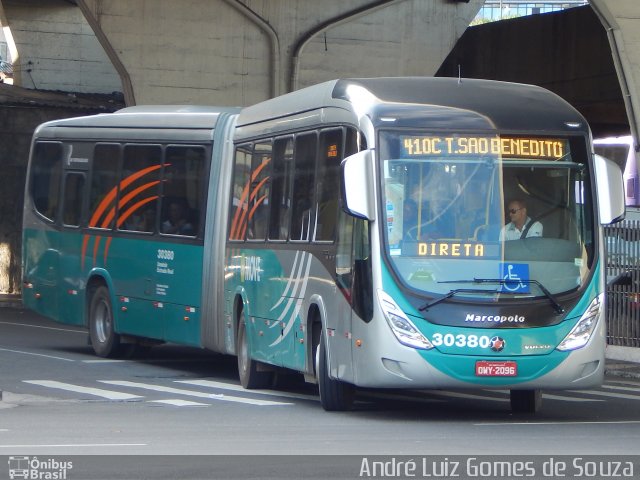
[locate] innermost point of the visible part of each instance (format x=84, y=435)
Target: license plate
x=496, y=369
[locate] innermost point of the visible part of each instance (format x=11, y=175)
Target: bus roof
x=442, y=102
x=151, y=116
x=427, y=102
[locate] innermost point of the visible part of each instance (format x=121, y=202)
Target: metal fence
x=623, y=283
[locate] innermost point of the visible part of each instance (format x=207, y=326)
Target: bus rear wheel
x=104, y=340
x=335, y=395
x=250, y=376
x=525, y=401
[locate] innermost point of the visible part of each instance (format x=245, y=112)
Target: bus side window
x=46, y=178
x=302, y=216
x=73, y=199
x=258, y=216
x=240, y=193
x=183, y=191
x=362, y=271
x=328, y=184
x=354, y=142
x=104, y=181
x=280, y=195
x=141, y=175
x=353, y=252
x=353, y=264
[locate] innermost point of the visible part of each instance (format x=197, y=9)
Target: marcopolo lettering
x=471, y=317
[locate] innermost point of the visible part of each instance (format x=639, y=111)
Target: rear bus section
x=115, y=223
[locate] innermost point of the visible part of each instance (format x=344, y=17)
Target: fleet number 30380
x=166, y=254
x=460, y=340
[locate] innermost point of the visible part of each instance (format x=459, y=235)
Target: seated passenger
x=521, y=225
x=177, y=223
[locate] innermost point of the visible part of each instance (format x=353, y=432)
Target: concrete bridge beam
x=233, y=52
x=55, y=49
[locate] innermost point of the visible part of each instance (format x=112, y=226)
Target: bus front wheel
x=334, y=394
x=526, y=401
x=104, y=340
x=250, y=376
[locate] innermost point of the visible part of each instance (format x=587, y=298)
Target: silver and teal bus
x=409, y=233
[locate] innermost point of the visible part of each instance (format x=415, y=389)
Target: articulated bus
x=357, y=232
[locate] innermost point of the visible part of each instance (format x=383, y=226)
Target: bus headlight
x=581, y=333
x=401, y=326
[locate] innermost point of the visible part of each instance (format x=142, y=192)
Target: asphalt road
x=60, y=399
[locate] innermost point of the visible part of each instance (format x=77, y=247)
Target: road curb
x=10, y=301
x=623, y=371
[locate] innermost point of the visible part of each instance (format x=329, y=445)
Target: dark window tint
x=240, y=193
x=184, y=186
x=73, y=199
x=328, y=184
x=280, y=199
x=103, y=192
x=45, y=178
x=139, y=187
x=259, y=192
x=362, y=293
x=351, y=143
x=303, y=186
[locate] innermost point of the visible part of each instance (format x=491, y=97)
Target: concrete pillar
x=621, y=19
x=6, y=37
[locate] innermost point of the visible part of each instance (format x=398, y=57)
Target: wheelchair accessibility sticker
x=515, y=276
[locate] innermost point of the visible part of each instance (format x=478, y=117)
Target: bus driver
x=520, y=225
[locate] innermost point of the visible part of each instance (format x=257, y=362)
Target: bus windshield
x=487, y=213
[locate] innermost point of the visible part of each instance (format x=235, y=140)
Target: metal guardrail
x=623, y=283
x=6, y=67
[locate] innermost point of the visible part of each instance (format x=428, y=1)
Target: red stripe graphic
x=108, y=200
x=123, y=218
x=251, y=212
x=241, y=213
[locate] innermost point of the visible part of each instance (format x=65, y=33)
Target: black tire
x=335, y=395
x=104, y=340
x=525, y=401
x=250, y=377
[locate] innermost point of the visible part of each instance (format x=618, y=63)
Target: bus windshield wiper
x=452, y=293
x=556, y=306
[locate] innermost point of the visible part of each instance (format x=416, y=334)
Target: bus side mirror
x=610, y=187
x=357, y=185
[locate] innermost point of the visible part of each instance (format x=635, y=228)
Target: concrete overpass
x=238, y=52
x=228, y=52
x=541, y=49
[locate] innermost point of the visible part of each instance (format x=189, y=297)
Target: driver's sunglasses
x=514, y=210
